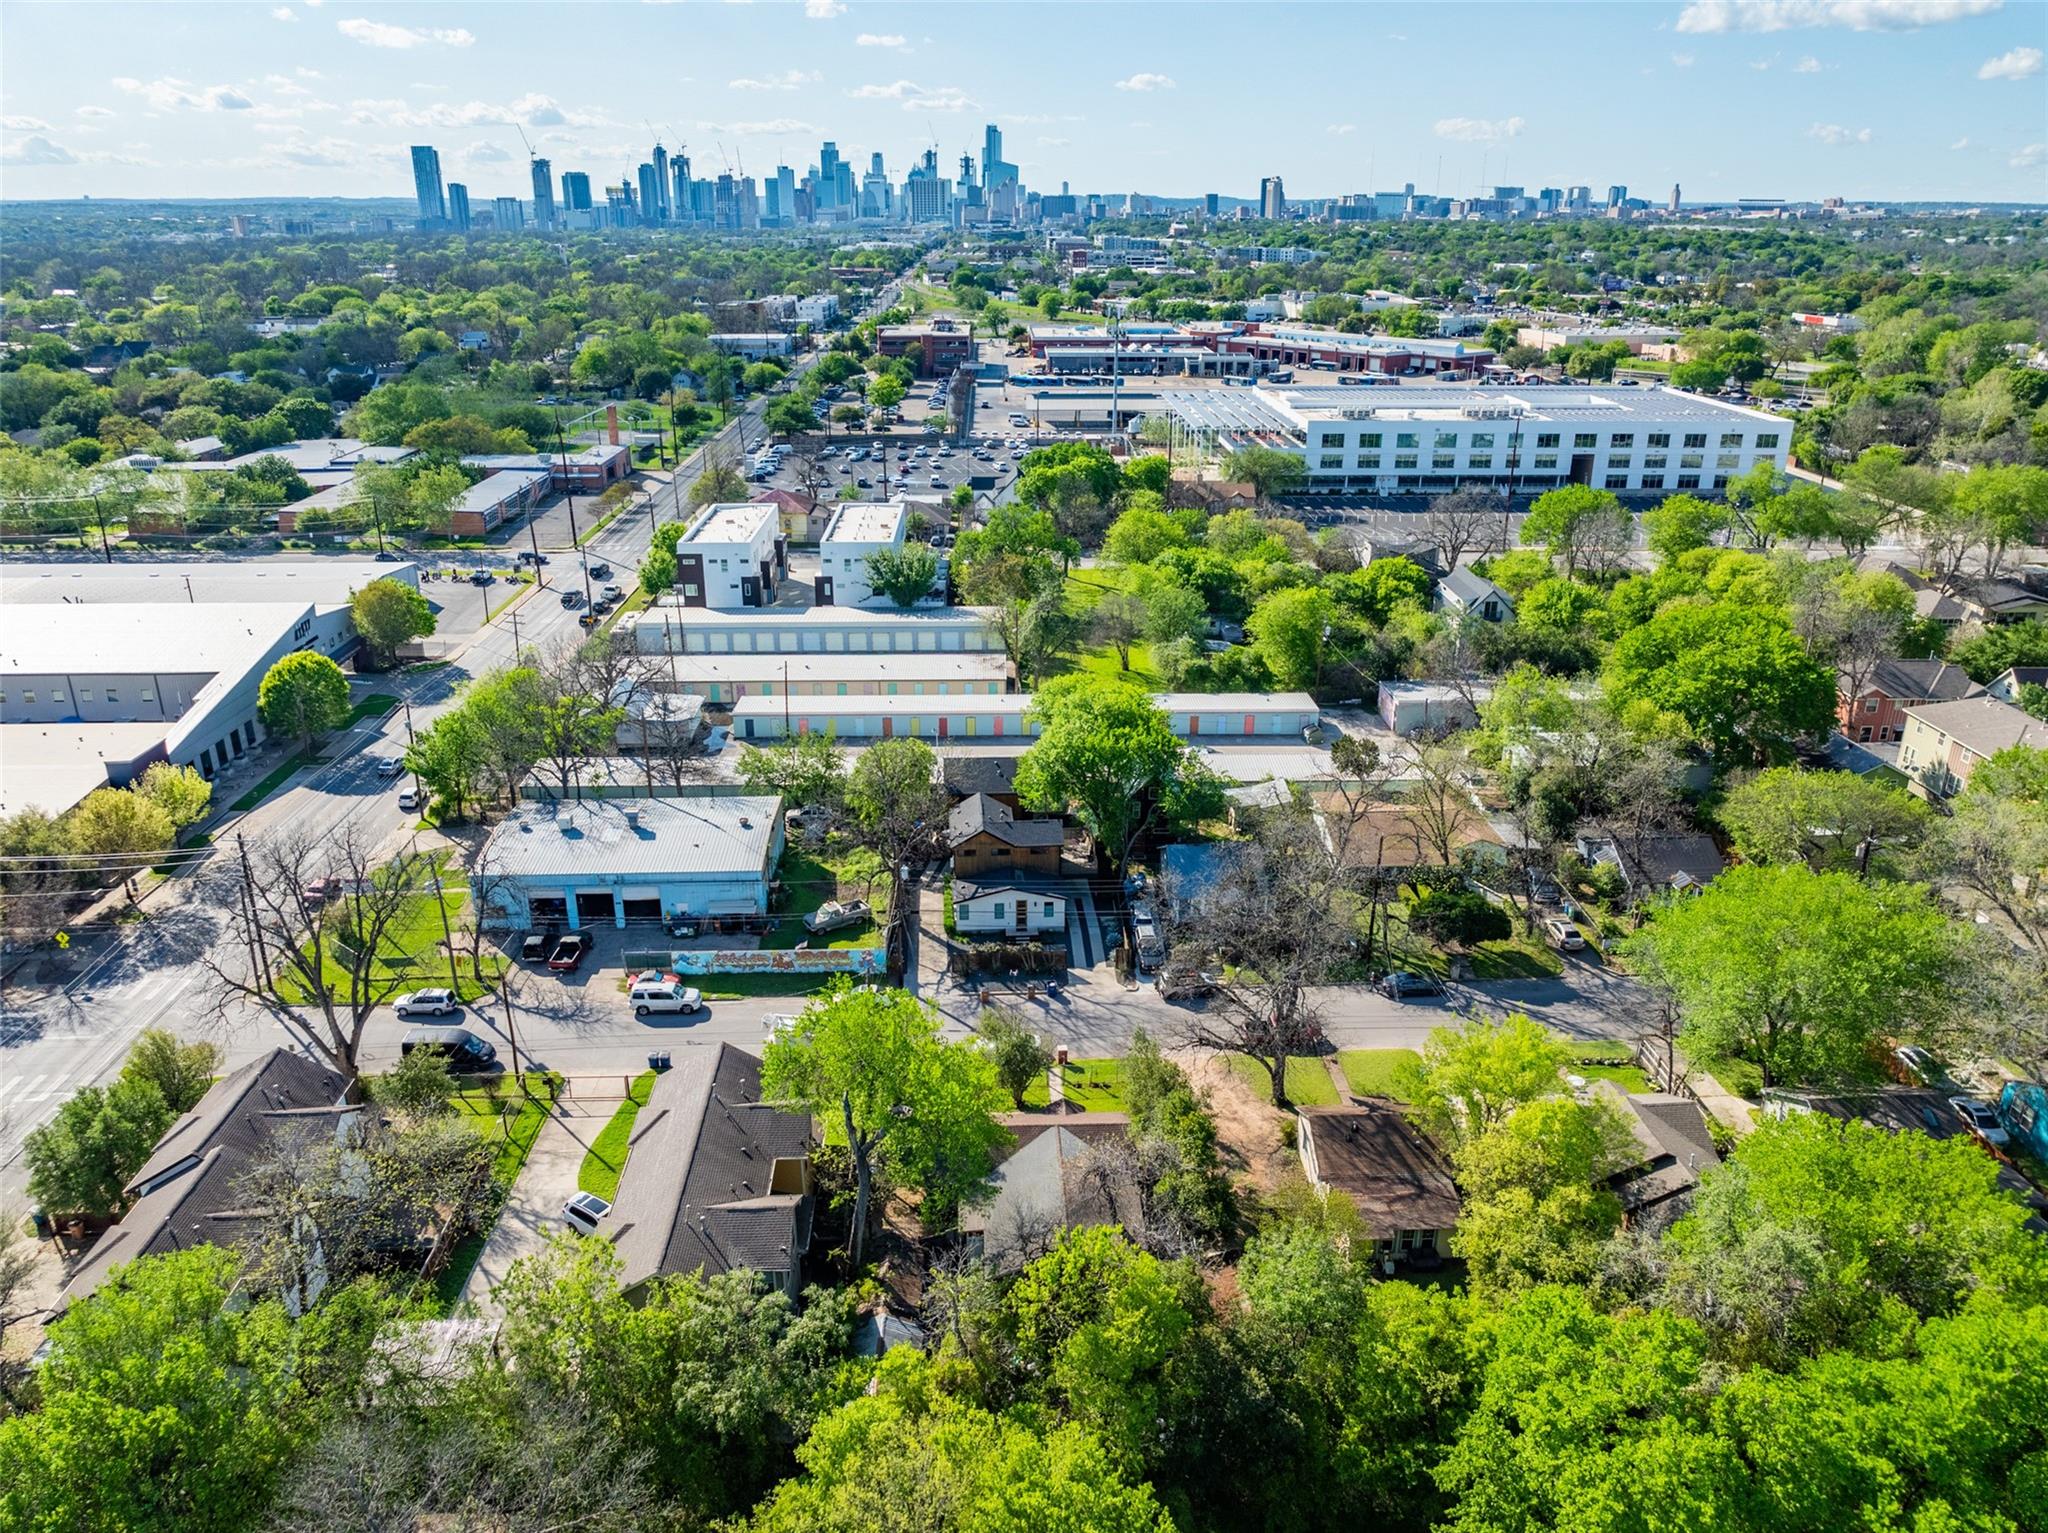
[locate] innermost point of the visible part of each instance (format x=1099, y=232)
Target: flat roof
x=731, y=521
x=1617, y=404
x=326, y=583
x=881, y=666
x=868, y=521
x=52, y=766
x=1017, y=702
x=140, y=638
x=496, y=489
x=577, y=840
x=671, y=610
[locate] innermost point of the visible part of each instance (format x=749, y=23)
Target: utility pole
x=511, y=1032
x=259, y=954
x=100, y=513
x=568, y=489
x=447, y=932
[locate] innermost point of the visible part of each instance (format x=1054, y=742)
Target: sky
x=1873, y=99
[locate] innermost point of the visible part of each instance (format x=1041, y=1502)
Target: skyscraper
x=1210, y=203
x=679, y=188
x=458, y=205
x=828, y=174
x=544, y=194
x=506, y=213
x=663, y=208
x=426, y=186
x=575, y=191
x=651, y=193
x=1674, y=196
x=995, y=170
x=1616, y=196
x=1272, y=198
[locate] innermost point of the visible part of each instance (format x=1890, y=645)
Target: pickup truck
x=833, y=914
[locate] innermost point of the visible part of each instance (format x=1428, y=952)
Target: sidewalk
x=533, y=1210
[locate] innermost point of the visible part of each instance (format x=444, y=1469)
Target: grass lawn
x=1517, y=958
x=812, y=878
x=411, y=952
x=271, y=783
x=1308, y=1081
x=1371, y=1071
x=733, y=987
x=375, y=706
x=1607, y=1050
x=1104, y=662
x=1627, y=1077
x=638, y=601
x=1093, y=1085
x=607, y=1155
x=515, y=1122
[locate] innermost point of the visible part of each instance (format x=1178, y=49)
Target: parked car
x=572, y=599
x=654, y=991
x=1400, y=985
x=584, y=1212
x=600, y=572
x=1981, y=1121
x=1564, y=935
x=318, y=891
x=389, y=766
x=409, y=800
x=528, y=556
x=535, y=947
x=481, y=577
x=1918, y=1066
x=465, y=1052
x=426, y=1003
x=684, y=930
x=834, y=914
x=569, y=952
x=1188, y=983
x=614, y=593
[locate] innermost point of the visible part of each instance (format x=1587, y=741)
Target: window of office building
x=1657, y=439
x=1621, y=463
x=1617, y=481
x=1404, y=460
x=1720, y=481
x=1653, y=481
x=1688, y=481
x=1444, y=460
x=1692, y=460
x=1331, y=439
x=1727, y=459
x=1731, y=439
x=1546, y=439
x=1584, y=440
x=1483, y=460
x=1372, y=462
x=1542, y=462
x=1695, y=439
x=1654, y=460
x=1622, y=440
x=1370, y=439
x=1767, y=442
x=1482, y=441
x=1331, y=460
x=1407, y=439
x=1447, y=441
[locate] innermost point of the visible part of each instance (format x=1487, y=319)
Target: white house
x=1012, y=907
x=1471, y=594
x=731, y=555
x=858, y=529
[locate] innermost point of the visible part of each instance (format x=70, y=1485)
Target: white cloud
x=1759, y=65
x=2017, y=64
x=486, y=154
x=915, y=97
x=1961, y=143
x=37, y=150
x=381, y=34
x=24, y=125
x=1340, y=129
x=789, y=79
x=173, y=95
x=91, y=111
x=1681, y=60
x=773, y=127
x=1478, y=130
x=283, y=13
x=2029, y=157
x=1857, y=15
x=881, y=40
x=1145, y=82
x=1835, y=133
x=823, y=10
x=308, y=74
x=535, y=111
x=1054, y=143
x=1807, y=66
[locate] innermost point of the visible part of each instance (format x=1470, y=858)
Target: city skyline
x=1751, y=98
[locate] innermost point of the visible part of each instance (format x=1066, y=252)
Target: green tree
x=1289, y=630
x=1828, y=820
x=181, y=1072
x=82, y=1160
x=1737, y=677
x=809, y=770
x=119, y=825
x=1020, y=1060
x=1681, y=523
x=181, y=792
x=658, y=571
x=1382, y=588
x=1584, y=527
x=906, y=575
x=897, y=800
x=388, y=613
x=1108, y=753
x=789, y=416
x=417, y=1087
x=1140, y=535
x=910, y=1444
x=1268, y=470
x=720, y=482
x=1463, y=917
x=1799, y=972
x=886, y=392
x=452, y=759
x=1470, y=1078
x=872, y=1063
x=303, y=696
x=1536, y=1205
x=1118, y=620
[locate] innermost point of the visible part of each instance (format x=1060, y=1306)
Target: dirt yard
x=1248, y=1126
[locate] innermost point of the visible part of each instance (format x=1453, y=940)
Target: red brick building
x=1878, y=710
x=937, y=348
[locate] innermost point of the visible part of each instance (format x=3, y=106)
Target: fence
x=834, y=960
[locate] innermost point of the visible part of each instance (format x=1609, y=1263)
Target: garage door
x=593, y=905
x=642, y=902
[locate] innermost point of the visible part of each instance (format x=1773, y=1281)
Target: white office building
x=1427, y=438
x=730, y=555
x=858, y=529
x=820, y=310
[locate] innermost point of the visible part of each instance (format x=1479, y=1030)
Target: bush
x=1459, y=916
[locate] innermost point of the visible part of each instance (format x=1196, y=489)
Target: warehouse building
x=1424, y=439
x=680, y=628
x=722, y=680
x=1192, y=715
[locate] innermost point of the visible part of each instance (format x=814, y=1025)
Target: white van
x=1146, y=942
x=656, y=992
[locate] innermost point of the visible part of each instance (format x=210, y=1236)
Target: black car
x=481, y=577
x=535, y=947
x=600, y=572
x=465, y=1052
x=1400, y=985
x=572, y=599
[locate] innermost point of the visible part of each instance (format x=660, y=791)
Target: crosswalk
x=31, y=1091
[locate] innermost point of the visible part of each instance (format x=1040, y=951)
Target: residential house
x=1467, y=593
x=966, y=775
x=1675, y=863
x=1897, y=1110
x=1878, y=710
x=1395, y=838
x=802, y=518
x=2005, y=686
x=1943, y=742
x=188, y=1192
x=988, y=840
x=716, y=1180
x=997, y=906
x=1675, y=1147
x=1064, y=1174
x=1392, y=1174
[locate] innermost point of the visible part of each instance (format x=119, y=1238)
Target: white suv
x=657, y=992
x=426, y=1003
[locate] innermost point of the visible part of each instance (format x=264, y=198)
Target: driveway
x=533, y=1210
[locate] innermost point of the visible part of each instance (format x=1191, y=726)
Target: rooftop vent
x=633, y=818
